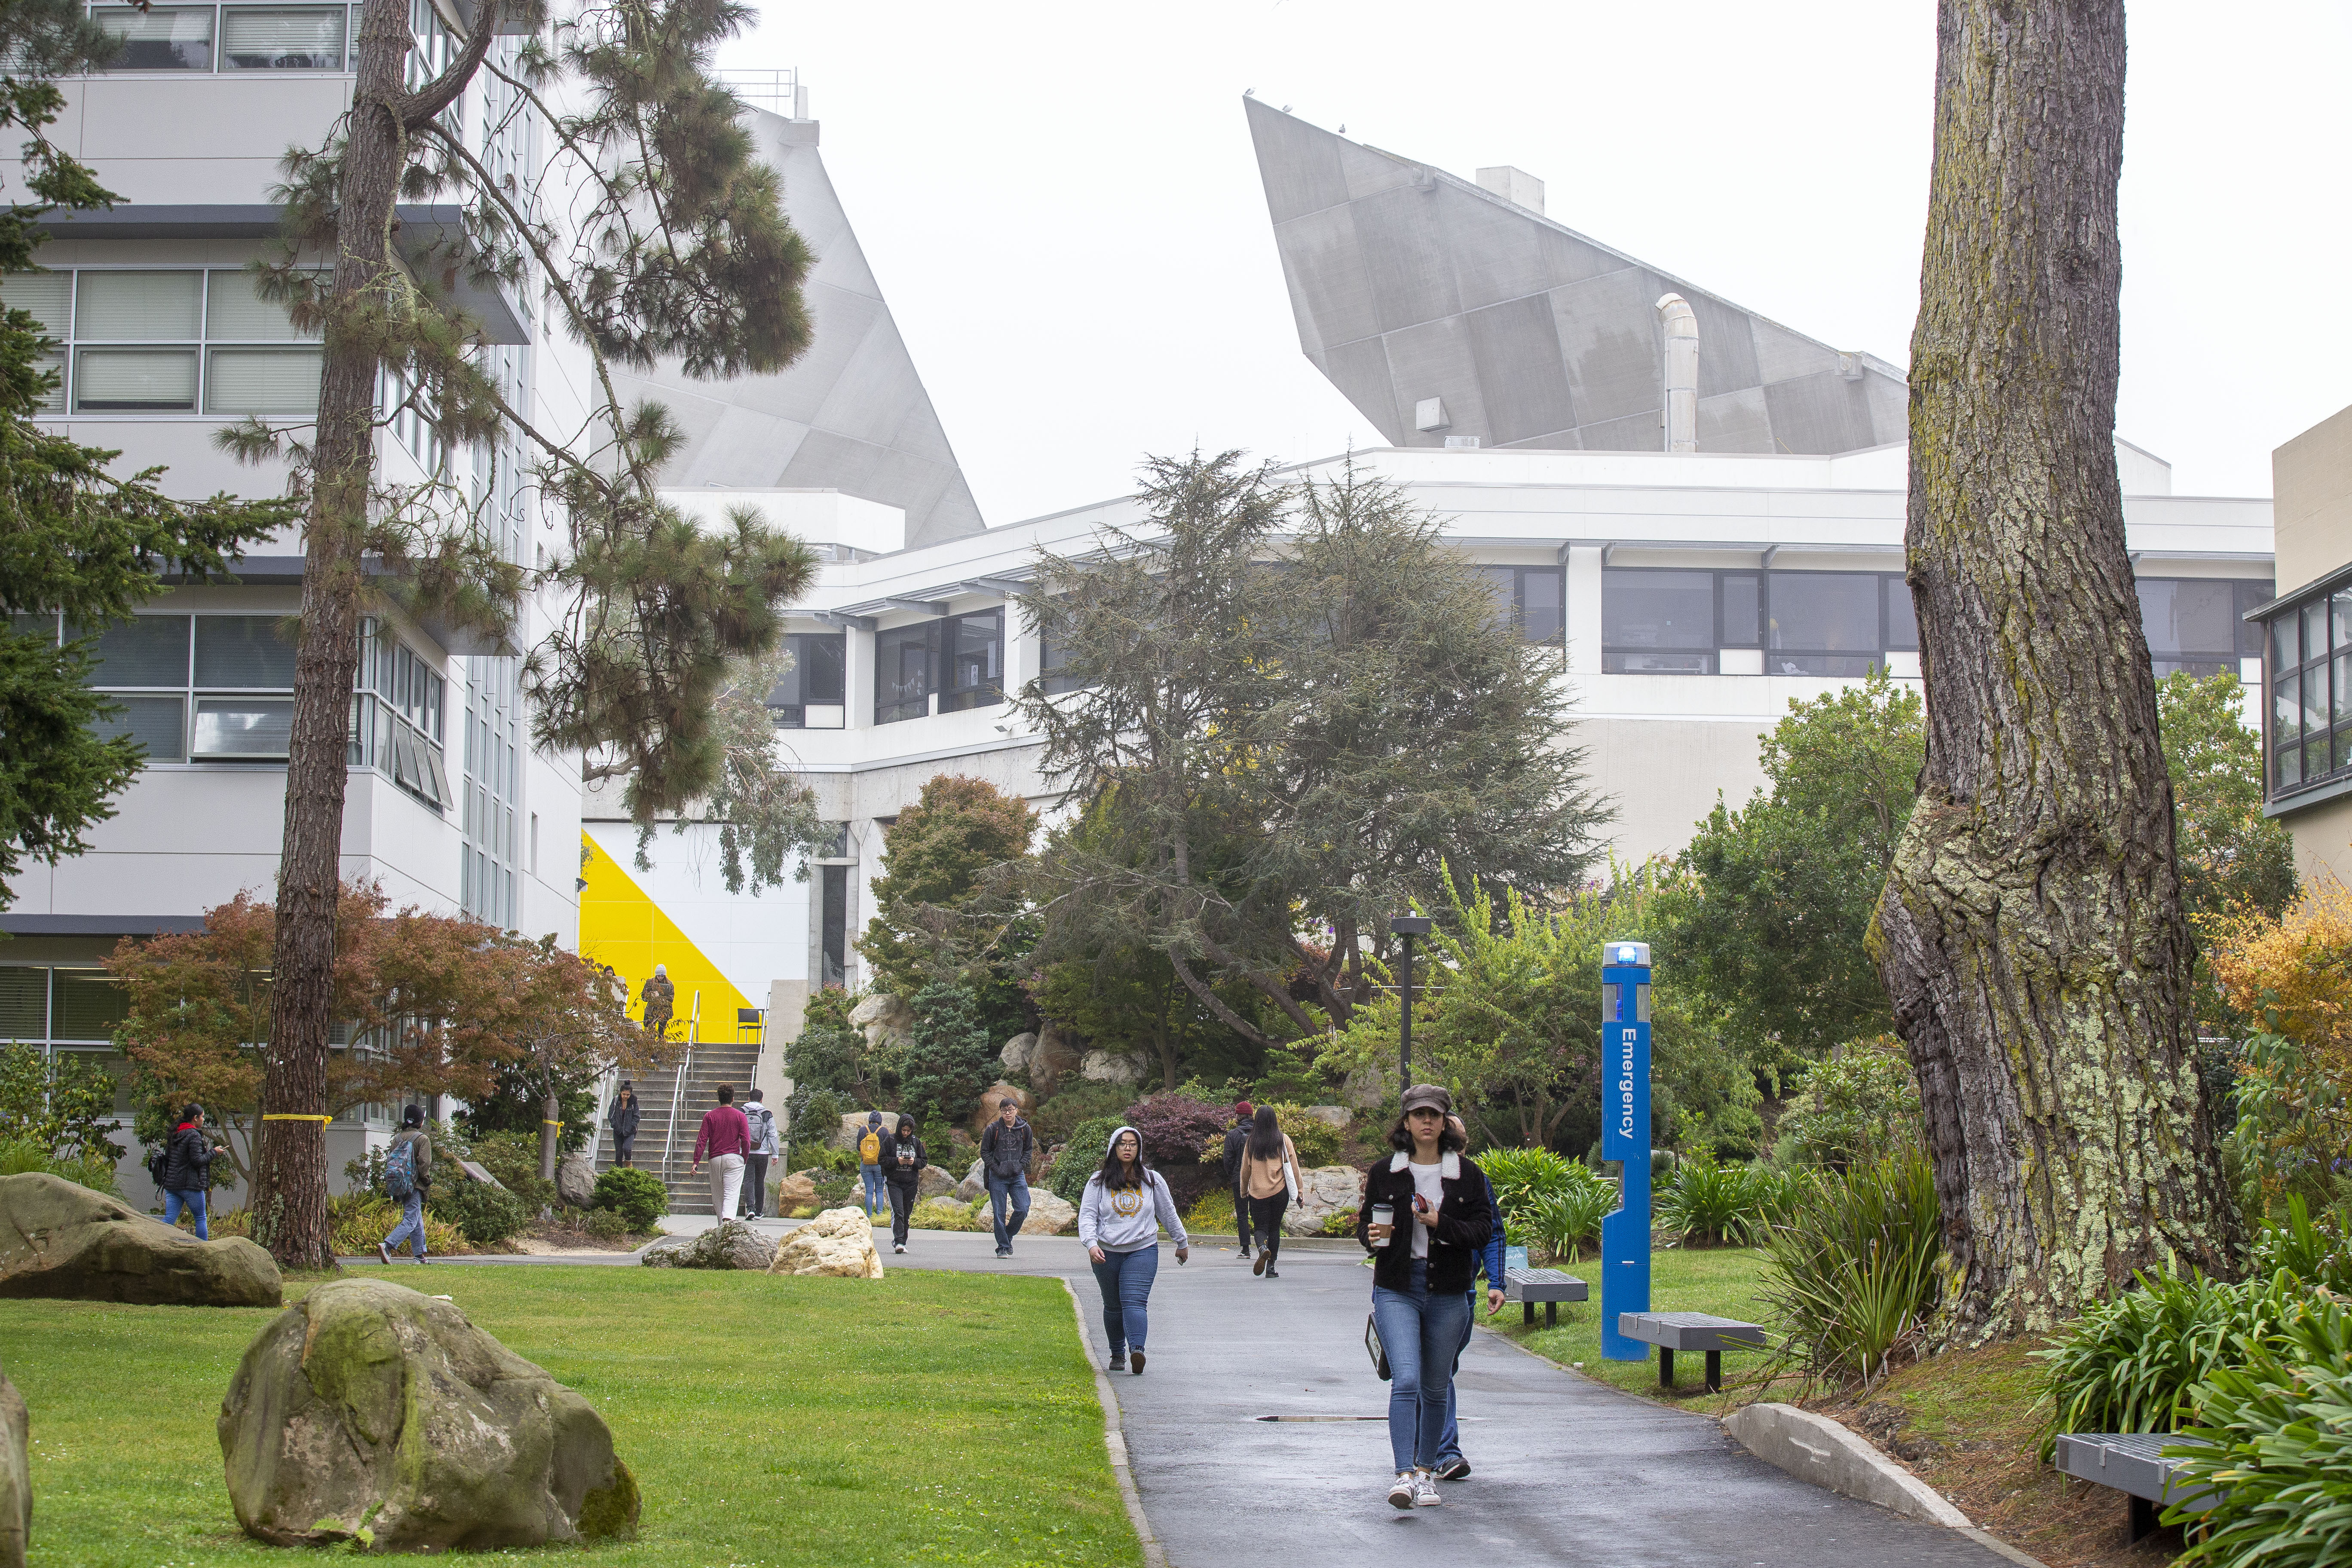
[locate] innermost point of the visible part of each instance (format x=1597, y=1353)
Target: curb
x=1828, y=1453
x=1114, y=1438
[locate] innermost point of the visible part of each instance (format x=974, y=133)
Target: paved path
x=1565, y=1469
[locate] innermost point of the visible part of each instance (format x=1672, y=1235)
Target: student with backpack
x=182, y=1167
x=1244, y=1117
x=903, y=1159
x=407, y=1172
x=869, y=1163
x=763, y=1149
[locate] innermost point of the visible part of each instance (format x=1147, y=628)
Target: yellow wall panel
x=620, y=925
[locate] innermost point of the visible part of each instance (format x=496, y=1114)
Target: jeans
x=1422, y=1335
x=411, y=1225
x=193, y=1201
x=1266, y=1218
x=1011, y=1192
x=1449, y=1445
x=755, y=1186
x=902, y=1205
x=1126, y=1279
x=871, y=1176
x=725, y=1183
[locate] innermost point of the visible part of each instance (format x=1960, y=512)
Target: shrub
x=1174, y=1128
x=1522, y=1175
x=2315, y=1252
x=1316, y=1141
x=1559, y=1224
x=2280, y=1436
x=513, y=1159
x=637, y=1196
x=1853, y=1276
x=1707, y=1201
x=1057, y=1118
x=22, y=1156
x=355, y=1223
x=1214, y=1214
x=947, y=1213
x=2133, y=1365
x=484, y=1215
x=1861, y=1104
x=605, y=1224
x=1340, y=1222
x=1082, y=1156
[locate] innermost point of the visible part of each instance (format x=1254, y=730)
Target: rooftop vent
x=1513, y=186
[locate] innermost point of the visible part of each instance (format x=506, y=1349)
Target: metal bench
x=1549, y=1285
x=1672, y=1331
x=2133, y=1464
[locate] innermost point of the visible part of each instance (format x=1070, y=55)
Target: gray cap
x=1428, y=1096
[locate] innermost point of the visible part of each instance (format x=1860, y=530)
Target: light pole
x=1407, y=927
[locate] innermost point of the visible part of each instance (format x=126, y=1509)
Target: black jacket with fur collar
x=1463, y=1224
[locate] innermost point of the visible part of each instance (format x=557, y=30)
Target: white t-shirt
x=1428, y=1182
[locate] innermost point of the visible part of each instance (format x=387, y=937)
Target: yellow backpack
x=869, y=1148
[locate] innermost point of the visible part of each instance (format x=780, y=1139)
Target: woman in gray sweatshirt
x=1120, y=1218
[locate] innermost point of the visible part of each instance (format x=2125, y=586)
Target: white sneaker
x=1425, y=1490
x=898, y=1246
x=1402, y=1494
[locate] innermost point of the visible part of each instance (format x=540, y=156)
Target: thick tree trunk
x=2030, y=934
x=289, y=1199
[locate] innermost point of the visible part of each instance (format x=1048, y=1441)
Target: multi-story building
x=2307, y=721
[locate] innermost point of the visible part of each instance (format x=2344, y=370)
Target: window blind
x=234, y=314
x=243, y=726
x=145, y=651
x=243, y=651
x=263, y=381
x=88, y=1006
x=47, y=295
x=158, y=724
x=135, y=380
x=134, y=306
x=310, y=38
x=168, y=38
x=24, y=1002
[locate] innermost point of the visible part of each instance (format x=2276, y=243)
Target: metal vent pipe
x=1681, y=418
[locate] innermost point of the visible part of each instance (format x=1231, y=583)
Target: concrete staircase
x=710, y=1065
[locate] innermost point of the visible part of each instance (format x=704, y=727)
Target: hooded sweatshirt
x=1127, y=1219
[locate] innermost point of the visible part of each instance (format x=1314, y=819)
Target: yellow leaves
x=2292, y=974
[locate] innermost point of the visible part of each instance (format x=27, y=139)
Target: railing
x=677, y=1086
x=777, y=92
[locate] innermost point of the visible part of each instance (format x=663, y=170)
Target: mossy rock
x=15, y=1478
x=373, y=1416
x=64, y=1241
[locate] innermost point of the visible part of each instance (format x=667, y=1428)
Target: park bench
x=1549, y=1285
x=1672, y=1331
x=2132, y=1463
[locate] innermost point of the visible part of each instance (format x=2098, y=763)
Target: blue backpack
x=400, y=1172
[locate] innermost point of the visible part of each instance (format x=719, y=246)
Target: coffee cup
x=1383, y=1214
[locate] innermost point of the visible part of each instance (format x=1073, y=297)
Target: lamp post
x=1407, y=927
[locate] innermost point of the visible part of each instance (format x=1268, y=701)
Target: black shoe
x=1453, y=1470
x=1245, y=1251
x=1135, y=1363
x=1271, y=1274
x=1119, y=1361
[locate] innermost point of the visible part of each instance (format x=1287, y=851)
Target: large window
x=205, y=688
x=167, y=341
x=1671, y=622
x=397, y=716
x=1533, y=598
x=811, y=694
x=2194, y=623
x=960, y=658
x=207, y=39
x=2310, y=717
x=832, y=926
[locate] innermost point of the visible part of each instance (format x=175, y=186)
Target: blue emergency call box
x=1625, y=1136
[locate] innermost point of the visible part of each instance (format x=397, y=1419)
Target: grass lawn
x=928, y=1418
x=1723, y=1281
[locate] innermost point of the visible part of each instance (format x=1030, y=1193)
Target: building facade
x=2307, y=719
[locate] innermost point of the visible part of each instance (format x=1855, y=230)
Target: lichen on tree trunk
x=2030, y=934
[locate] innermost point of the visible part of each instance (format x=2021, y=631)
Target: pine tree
x=652, y=234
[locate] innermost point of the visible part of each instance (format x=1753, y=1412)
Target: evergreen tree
x=941, y=902
x=653, y=233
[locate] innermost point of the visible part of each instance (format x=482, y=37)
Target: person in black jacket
x=903, y=1159
x=623, y=1117
x=188, y=1170
x=1423, y=1219
x=1245, y=1116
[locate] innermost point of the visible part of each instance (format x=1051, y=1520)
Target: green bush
x=637, y=1196
x=2278, y=1432
x=947, y=1213
x=1858, y=1106
x=1853, y=1274
x=513, y=1159
x=1083, y=1156
x=1340, y=1222
x=2317, y=1252
x=1707, y=1201
x=1559, y=1223
x=1214, y=1214
x=1522, y=1175
x=1057, y=1118
x=606, y=1225
x=484, y=1215
x=1316, y=1141
x=22, y=1156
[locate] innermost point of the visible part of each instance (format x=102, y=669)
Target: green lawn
x=1723, y=1281
x=928, y=1418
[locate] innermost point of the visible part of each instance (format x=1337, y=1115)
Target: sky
x=1062, y=206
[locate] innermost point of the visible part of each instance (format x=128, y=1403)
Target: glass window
x=2286, y=641
x=974, y=648
x=88, y=1006
x=902, y=673
x=310, y=37
x=833, y=924
x=168, y=38
x=1657, y=609
x=1902, y=615
x=243, y=651
x=262, y=381
x=145, y=651
x=24, y=1004
x=234, y=311
x=1743, y=610
x=230, y=728
x=815, y=680
x=49, y=297
x=1053, y=659
x=135, y=380
x=119, y=307
x=160, y=725
x=1830, y=611
x=1543, y=613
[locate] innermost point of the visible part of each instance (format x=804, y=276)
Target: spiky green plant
x=1854, y=1272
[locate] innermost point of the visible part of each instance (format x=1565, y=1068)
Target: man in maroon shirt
x=726, y=1137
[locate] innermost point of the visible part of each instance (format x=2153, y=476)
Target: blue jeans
x=411, y=1225
x=877, y=1200
x=1126, y=1279
x=1449, y=1443
x=1423, y=1334
x=193, y=1201
x=1010, y=1192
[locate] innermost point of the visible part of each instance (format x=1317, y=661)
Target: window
x=249, y=37
x=974, y=676
x=811, y=694
x=168, y=340
x=1658, y=622
x=397, y=703
x=1534, y=598
x=962, y=657
x=1824, y=623
x=832, y=926
x=202, y=688
x=2195, y=624
x=1053, y=659
x=902, y=673
x=1679, y=621
x=2310, y=715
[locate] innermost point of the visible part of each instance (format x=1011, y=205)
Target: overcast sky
x=1062, y=204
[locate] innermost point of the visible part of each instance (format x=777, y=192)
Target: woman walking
x=1423, y=1219
x=188, y=1170
x=903, y=1159
x=623, y=1117
x=1269, y=1179
x=1120, y=1218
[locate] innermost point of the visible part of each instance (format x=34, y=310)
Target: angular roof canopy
x=1410, y=283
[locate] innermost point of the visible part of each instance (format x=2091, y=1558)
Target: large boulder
x=1367, y=1087
x=797, y=1190
x=993, y=1096
x=63, y=1240
x=1016, y=1053
x=1121, y=1067
x=886, y=1021
x=1327, y=1189
x=730, y=1244
x=838, y=1242
x=575, y=1180
x=933, y=1182
x=1055, y=1057
x=1049, y=1215
x=370, y=1413
x=15, y=1477
x=1337, y=1115
x=974, y=1184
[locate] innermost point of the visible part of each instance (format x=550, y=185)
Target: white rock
x=1328, y=1190
x=1049, y=1215
x=886, y=1020
x=1337, y=1115
x=1112, y=1066
x=1017, y=1052
x=974, y=1184
x=838, y=1242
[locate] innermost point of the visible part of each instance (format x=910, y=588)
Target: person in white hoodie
x=1120, y=1218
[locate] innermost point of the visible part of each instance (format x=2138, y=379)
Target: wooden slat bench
x=1672, y=1331
x=1549, y=1285
x=2132, y=1463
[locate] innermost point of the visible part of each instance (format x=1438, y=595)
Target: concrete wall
x=2311, y=516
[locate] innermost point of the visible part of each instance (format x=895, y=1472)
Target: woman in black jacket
x=903, y=1159
x=188, y=1170
x=623, y=1117
x=1423, y=1219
